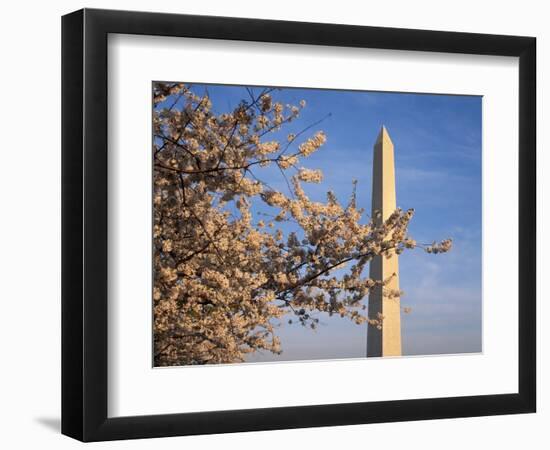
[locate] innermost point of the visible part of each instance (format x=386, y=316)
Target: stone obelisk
x=387, y=340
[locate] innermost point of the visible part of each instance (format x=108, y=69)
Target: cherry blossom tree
x=225, y=280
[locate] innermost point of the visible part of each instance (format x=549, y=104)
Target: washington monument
x=385, y=341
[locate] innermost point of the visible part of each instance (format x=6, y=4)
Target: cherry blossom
x=225, y=281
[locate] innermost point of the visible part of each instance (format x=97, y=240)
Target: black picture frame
x=84, y=224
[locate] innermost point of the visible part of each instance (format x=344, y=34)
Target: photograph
x=272, y=226
x=296, y=224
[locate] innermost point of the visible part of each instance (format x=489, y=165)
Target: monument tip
x=383, y=135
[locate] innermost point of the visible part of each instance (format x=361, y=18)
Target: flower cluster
x=310, y=176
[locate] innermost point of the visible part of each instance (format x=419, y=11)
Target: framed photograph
x=273, y=224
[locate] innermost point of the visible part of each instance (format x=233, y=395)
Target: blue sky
x=437, y=141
